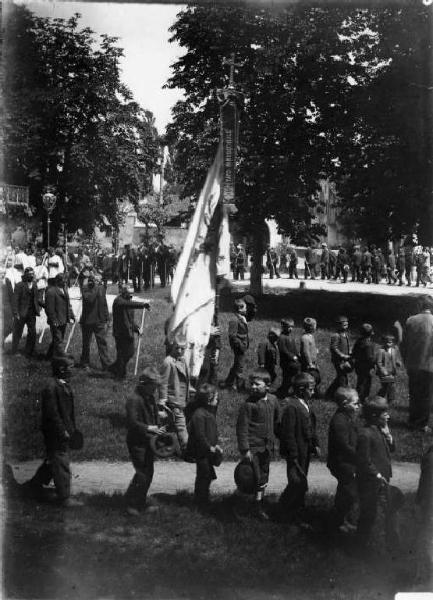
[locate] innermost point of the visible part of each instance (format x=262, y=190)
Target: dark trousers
x=387, y=390
x=293, y=497
x=366, y=274
x=341, y=271
x=271, y=369
x=363, y=384
x=30, y=321
x=341, y=380
x=392, y=278
x=420, y=397
x=356, y=273
x=310, y=271
x=346, y=498
x=293, y=271
x=55, y=468
x=373, y=497
x=142, y=458
x=136, y=281
x=408, y=273
x=100, y=332
x=324, y=269
x=57, y=337
x=235, y=375
x=277, y=275
x=124, y=352
x=239, y=273
x=261, y=464
x=205, y=474
x=289, y=370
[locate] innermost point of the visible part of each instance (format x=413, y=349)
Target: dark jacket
x=202, y=432
x=95, y=308
x=357, y=258
x=141, y=411
x=267, y=354
x=373, y=454
x=257, y=424
x=297, y=433
x=25, y=300
x=340, y=347
x=58, y=306
x=124, y=324
x=288, y=349
x=364, y=355
x=238, y=335
x=57, y=414
x=342, y=441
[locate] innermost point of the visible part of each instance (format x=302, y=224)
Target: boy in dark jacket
x=289, y=356
x=239, y=343
x=298, y=441
x=203, y=441
x=375, y=443
x=143, y=421
x=364, y=360
x=340, y=356
x=256, y=427
x=386, y=364
x=342, y=440
x=267, y=354
x=58, y=427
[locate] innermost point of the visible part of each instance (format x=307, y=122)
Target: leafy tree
x=70, y=123
x=304, y=73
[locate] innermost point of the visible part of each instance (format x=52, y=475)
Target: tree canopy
x=316, y=105
x=70, y=123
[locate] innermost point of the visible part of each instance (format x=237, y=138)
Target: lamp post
x=49, y=200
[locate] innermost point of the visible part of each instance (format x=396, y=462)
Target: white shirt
x=41, y=276
x=55, y=266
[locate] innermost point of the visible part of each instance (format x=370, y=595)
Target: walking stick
x=139, y=341
x=71, y=333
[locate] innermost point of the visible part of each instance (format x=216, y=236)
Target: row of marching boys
x=366, y=358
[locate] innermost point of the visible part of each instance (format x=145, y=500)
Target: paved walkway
x=171, y=477
x=284, y=283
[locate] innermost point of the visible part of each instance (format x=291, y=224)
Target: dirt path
x=171, y=477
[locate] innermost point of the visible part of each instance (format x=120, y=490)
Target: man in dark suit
x=342, y=440
x=375, y=443
x=25, y=308
x=94, y=319
x=59, y=314
x=124, y=327
x=58, y=426
x=298, y=442
x=239, y=343
x=340, y=355
x=417, y=352
x=143, y=422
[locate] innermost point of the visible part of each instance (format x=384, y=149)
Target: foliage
x=70, y=123
x=316, y=105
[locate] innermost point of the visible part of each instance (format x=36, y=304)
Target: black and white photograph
x=216, y=261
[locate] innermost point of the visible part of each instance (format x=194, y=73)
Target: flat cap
x=376, y=405
x=302, y=380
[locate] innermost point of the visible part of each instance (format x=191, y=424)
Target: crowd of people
x=168, y=413
x=410, y=265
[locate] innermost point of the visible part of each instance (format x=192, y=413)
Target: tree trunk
x=256, y=287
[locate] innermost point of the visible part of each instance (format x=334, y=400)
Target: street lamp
x=49, y=200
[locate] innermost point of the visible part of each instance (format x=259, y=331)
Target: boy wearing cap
x=203, y=441
x=298, y=442
x=124, y=327
x=289, y=356
x=340, y=356
x=364, y=360
x=143, y=422
x=386, y=365
x=267, y=353
x=58, y=426
x=342, y=441
x=251, y=307
x=308, y=350
x=256, y=427
x=374, y=447
x=176, y=387
x=239, y=343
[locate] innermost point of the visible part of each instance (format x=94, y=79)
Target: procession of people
x=170, y=414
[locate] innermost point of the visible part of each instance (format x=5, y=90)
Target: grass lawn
x=100, y=402
x=96, y=551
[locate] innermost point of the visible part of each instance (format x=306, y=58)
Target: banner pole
x=139, y=341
